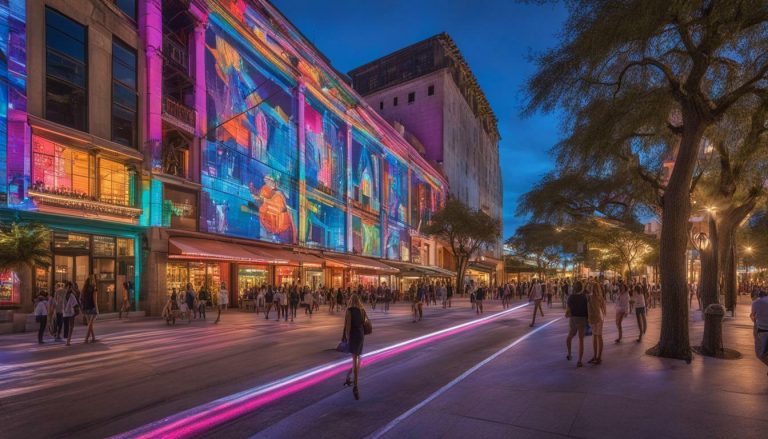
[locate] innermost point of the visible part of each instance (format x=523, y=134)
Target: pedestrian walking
x=642, y=323
x=171, y=310
x=41, y=314
x=622, y=308
x=125, y=303
x=203, y=296
x=418, y=303
x=309, y=301
x=58, y=308
x=577, y=312
x=269, y=302
x=549, y=294
x=223, y=301
x=596, y=314
x=355, y=323
x=70, y=310
x=189, y=300
x=479, y=298
x=536, y=295
x=759, y=316
x=90, y=307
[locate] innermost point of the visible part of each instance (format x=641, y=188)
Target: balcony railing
x=176, y=53
x=180, y=112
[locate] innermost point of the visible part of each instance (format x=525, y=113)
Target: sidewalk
x=531, y=391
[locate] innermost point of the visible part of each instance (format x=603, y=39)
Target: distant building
x=429, y=89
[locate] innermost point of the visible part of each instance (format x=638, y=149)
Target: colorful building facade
x=203, y=142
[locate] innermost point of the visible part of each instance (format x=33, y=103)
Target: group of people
x=425, y=293
x=190, y=304
x=586, y=309
x=57, y=313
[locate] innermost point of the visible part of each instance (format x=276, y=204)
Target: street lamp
x=747, y=250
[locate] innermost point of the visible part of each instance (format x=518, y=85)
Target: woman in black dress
x=90, y=306
x=354, y=335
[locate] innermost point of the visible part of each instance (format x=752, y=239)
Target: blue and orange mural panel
x=326, y=143
x=325, y=226
x=366, y=237
x=398, y=243
x=250, y=161
x=396, y=185
x=365, y=187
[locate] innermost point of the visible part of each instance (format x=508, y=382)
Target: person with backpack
x=70, y=310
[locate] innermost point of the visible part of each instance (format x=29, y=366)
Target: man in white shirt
x=536, y=295
x=759, y=315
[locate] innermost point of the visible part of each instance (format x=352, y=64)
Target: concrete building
x=429, y=89
x=198, y=141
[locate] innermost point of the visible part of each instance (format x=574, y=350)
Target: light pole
x=748, y=251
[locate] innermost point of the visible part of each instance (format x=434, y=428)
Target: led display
x=326, y=142
x=396, y=181
x=398, y=244
x=366, y=170
x=325, y=226
x=250, y=162
x=366, y=237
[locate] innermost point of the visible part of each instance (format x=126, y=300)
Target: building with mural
x=202, y=142
x=430, y=91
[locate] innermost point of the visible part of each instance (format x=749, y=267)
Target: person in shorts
x=577, y=312
x=759, y=316
x=596, y=314
x=223, y=300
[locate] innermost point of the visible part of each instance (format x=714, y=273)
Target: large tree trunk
x=674, y=341
x=727, y=226
x=461, y=267
x=709, y=268
x=730, y=285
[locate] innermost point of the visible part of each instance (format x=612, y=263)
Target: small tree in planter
x=466, y=230
x=24, y=247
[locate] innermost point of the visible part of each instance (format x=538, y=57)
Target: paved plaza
x=142, y=371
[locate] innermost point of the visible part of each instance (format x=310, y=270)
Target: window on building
x=381, y=105
x=411, y=97
x=66, y=88
x=128, y=7
x=114, y=183
x=394, y=102
x=59, y=169
x=430, y=90
x=124, y=96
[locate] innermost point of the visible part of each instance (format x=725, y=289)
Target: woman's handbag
x=367, y=326
x=343, y=346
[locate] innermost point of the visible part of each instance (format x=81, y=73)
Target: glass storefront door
x=251, y=276
x=72, y=269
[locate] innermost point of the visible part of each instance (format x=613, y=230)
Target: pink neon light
x=202, y=418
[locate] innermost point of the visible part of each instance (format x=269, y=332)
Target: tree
x=538, y=241
x=628, y=245
x=465, y=230
x=641, y=81
x=24, y=247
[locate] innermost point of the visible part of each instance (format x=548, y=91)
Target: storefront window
x=286, y=275
x=71, y=241
x=59, y=169
x=103, y=247
x=9, y=288
x=124, y=247
x=251, y=276
x=199, y=274
x=114, y=183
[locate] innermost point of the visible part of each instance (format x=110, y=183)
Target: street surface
x=142, y=371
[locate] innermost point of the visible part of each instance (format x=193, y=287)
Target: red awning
x=289, y=257
x=193, y=248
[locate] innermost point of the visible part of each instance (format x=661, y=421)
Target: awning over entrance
x=193, y=248
x=291, y=257
x=410, y=269
x=481, y=266
x=361, y=263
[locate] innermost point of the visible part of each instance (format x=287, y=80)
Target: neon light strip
x=456, y=380
x=209, y=415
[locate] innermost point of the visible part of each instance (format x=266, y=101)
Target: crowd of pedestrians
x=56, y=315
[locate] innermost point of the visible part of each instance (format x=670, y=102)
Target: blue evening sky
x=495, y=37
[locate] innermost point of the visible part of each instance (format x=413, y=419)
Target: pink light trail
x=197, y=420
